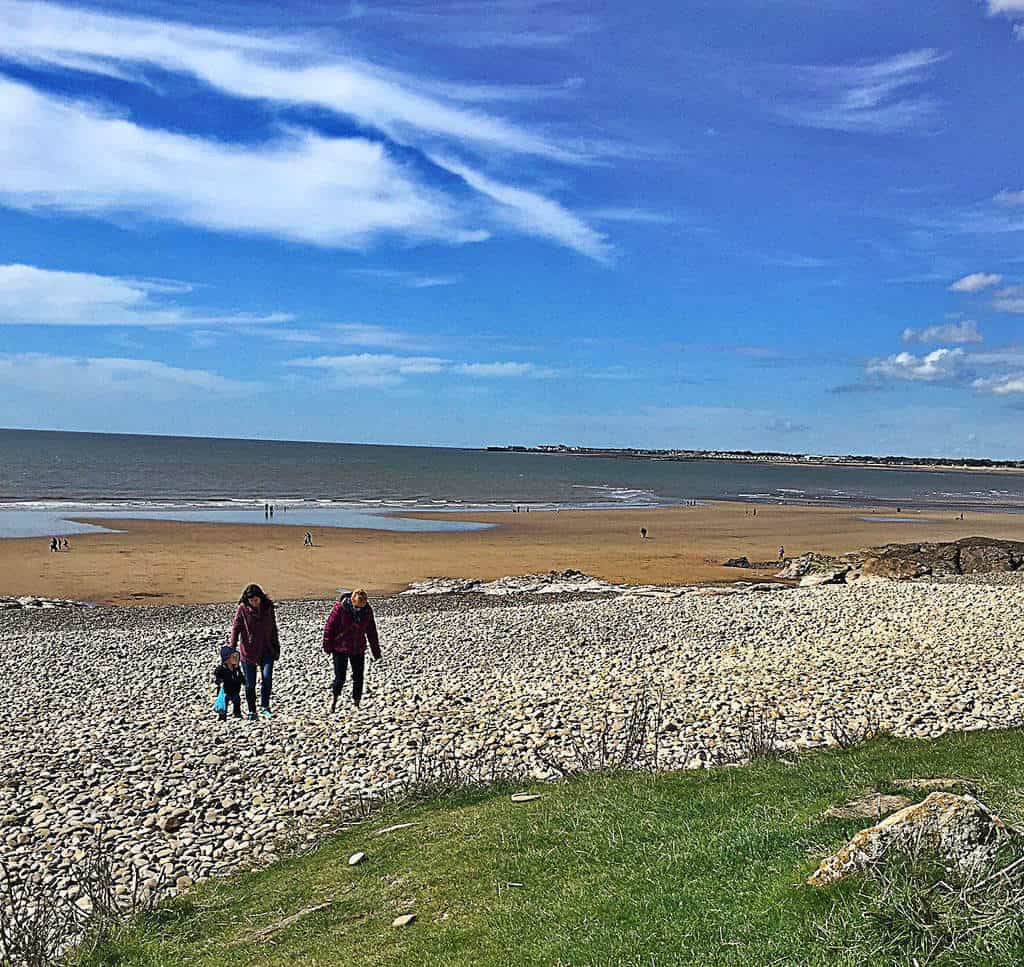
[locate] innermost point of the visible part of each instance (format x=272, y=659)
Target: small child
x=228, y=675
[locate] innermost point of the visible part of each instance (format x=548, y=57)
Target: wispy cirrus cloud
x=964, y=331
x=34, y=296
x=388, y=369
x=529, y=211
x=522, y=24
x=504, y=370
x=298, y=184
x=873, y=97
x=340, y=192
x=410, y=280
x=638, y=216
x=282, y=68
x=115, y=378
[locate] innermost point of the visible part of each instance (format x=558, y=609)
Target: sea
x=48, y=479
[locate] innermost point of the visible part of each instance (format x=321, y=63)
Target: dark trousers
x=341, y=663
x=235, y=701
x=266, y=670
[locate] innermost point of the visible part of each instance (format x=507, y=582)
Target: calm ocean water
x=51, y=474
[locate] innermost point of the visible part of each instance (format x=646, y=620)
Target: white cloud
x=278, y=68
x=301, y=186
x=344, y=334
x=533, y=213
x=639, y=216
x=304, y=187
x=371, y=369
x=871, y=98
x=411, y=280
x=1011, y=199
x=386, y=369
x=1001, y=385
x=1005, y=6
x=975, y=282
x=504, y=370
x=44, y=297
x=940, y=365
x=115, y=378
x=1010, y=299
x=965, y=331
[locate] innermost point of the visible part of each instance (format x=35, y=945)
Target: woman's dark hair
x=253, y=591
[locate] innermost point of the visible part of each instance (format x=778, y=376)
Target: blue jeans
x=266, y=669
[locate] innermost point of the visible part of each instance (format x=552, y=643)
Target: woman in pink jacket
x=349, y=628
x=254, y=635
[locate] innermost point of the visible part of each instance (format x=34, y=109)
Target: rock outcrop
x=971, y=555
x=959, y=829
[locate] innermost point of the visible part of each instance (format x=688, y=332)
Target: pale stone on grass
x=958, y=828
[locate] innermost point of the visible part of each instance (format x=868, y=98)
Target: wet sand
x=164, y=562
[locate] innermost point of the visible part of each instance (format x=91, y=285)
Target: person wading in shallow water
x=350, y=626
x=254, y=634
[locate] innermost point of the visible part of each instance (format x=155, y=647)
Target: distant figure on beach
x=54, y=544
x=266, y=511
x=350, y=626
x=228, y=675
x=307, y=541
x=643, y=533
x=782, y=553
x=65, y=545
x=254, y=633
x=271, y=510
x=755, y=511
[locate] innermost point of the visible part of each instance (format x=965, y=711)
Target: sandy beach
x=163, y=562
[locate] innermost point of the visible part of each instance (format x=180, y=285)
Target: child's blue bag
x=221, y=705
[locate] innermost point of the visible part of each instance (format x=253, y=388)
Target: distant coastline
x=976, y=464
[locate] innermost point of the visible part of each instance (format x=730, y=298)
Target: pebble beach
x=109, y=728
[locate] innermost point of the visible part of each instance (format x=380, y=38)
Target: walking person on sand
x=350, y=626
x=254, y=634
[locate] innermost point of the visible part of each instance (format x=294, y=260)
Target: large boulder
x=959, y=829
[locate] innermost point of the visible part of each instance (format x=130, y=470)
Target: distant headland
x=752, y=456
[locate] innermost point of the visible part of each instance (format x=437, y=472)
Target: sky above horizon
x=740, y=224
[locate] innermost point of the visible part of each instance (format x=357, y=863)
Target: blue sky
x=765, y=224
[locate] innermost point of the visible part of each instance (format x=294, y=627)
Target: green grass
x=687, y=868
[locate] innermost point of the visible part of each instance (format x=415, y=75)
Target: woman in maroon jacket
x=349, y=628
x=254, y=634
